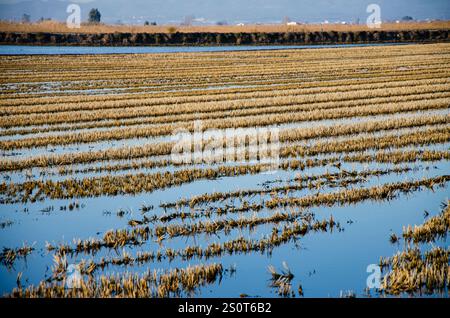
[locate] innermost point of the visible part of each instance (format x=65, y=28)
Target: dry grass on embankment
x=54, y=26
x=101, y=35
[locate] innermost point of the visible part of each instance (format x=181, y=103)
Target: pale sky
x=232, y=11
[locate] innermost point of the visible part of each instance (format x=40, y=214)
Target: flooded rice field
x=304, y=173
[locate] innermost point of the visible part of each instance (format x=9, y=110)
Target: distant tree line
x=209, y=38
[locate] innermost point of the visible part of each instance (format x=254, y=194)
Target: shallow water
x=39, y=50
x=324, y=263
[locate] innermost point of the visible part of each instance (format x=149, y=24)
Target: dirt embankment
x=208, y=38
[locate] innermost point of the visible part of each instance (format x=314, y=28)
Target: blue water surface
x=49, y=50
